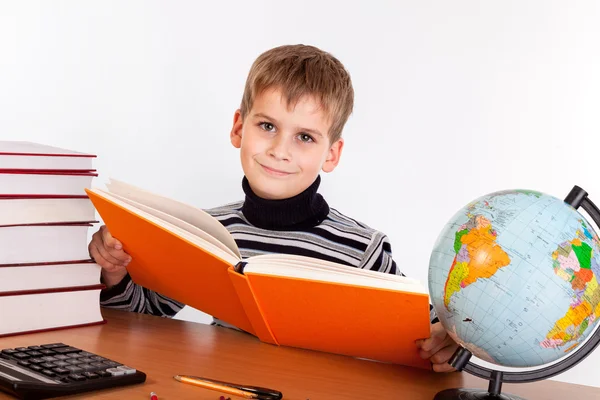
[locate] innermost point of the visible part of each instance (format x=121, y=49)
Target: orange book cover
x=170, y=265
x=350, y=319
x=344, y=319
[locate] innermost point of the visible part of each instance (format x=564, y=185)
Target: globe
x=514, y=278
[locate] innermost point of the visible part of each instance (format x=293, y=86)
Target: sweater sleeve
x=129, y=296
x=378, y=257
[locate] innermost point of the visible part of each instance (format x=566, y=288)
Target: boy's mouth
x=273, y=171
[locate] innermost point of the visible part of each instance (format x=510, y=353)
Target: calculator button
x=73, y=361
x=74, y=369
x=115, y=372
x=86, y=360
x=20, y=356
x=47, y=372
x=98, y=358
x=53, y=345
x=60, y=356
x=24, y=363
x=87, y=367
x=49, y=358
x=73, y=355
x=85, y=353
x=35, y=367
x=47, y=352
x=61, y=363
x=61, y=371
x=9, y=352
x=35, y=353
x=21, y=349
x=64, y=350
x=64, y=379
x=36, y=360
x=103, y=374
x=77, y=377
x=48, y=365
x=91, y=375
x=127, y=370
x=35, y=347
x=99, y=365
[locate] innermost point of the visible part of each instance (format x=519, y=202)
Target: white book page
x=177, y=222
x=324, y=275
x=192, y=215
x=195, y=240
x=295, y=260
x=34, y=148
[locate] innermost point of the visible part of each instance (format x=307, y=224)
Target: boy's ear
x=236, y=130
x=333, y=157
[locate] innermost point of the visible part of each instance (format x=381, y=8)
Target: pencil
x=214, y=386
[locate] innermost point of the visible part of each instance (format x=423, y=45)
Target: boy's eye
x=305, y=138
x=267, y=126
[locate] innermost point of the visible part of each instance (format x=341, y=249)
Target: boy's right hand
x=109, y=254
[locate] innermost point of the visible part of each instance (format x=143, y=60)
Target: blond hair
x=301, y=70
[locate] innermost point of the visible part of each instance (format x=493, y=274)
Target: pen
x=247, y=392
x=153, y=396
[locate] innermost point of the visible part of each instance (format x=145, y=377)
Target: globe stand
x=460, y=360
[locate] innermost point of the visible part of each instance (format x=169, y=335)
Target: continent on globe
x=478, y=256
x=574, y=262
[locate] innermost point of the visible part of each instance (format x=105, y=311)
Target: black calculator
x=56, y=369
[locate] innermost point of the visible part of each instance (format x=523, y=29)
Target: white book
x=45, y=209
x=38, y=311
x=48, y=275
x=43, y=243
x=19, y=183
x=28, y=155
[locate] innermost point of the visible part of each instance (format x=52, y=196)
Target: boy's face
x=283, y=149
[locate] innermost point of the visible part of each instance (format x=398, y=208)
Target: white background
x=453, y=99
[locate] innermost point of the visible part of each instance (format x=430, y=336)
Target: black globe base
x=473, y=394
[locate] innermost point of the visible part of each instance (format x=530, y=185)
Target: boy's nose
x=279, y=149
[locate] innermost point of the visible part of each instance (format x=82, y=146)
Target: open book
x=184, y=253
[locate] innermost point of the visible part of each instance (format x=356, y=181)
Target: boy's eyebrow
x=307, y=130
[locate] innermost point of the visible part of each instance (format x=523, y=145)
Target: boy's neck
x=302, y=211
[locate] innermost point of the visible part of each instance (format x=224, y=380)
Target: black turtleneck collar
x=302, y=211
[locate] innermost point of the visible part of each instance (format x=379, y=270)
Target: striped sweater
x=303, y=225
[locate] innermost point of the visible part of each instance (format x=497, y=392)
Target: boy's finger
x=431, y=343
x=120, y=255
x=109, y=240
x=109, y=257
x=105, y=264
x=432, y=348
x=444, y=367
x=443, y=355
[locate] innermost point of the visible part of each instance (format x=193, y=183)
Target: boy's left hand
x=439, y=348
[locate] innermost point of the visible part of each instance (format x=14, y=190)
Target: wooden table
x=162, y=348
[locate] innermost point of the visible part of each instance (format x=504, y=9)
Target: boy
x=288, y=129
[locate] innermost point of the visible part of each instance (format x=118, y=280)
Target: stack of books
x=47, y=279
